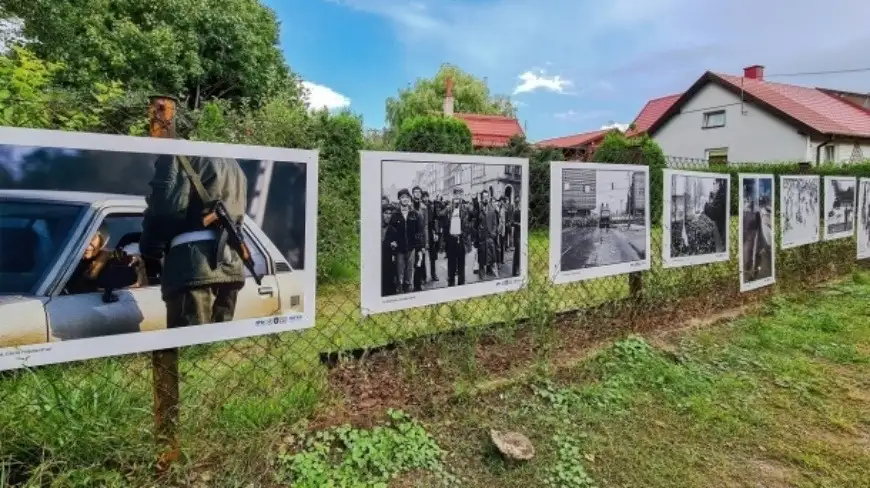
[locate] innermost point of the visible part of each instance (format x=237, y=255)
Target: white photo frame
x=839, y=219
x=292, y=291
x=800, y=210
x=675, y=200
x=628, y=249
x=372, y=178
x=863, y=217
x=758, y=226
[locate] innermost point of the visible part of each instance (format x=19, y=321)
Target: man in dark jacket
x=433, y=233
x=487, y=228
x=409, y=240
x=389, y=243
x=455, y=227
x=420, y=255
x=201, y=275
x=516, y=226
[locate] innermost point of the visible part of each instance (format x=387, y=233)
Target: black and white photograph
x=756, y=241
x=599, y=220
x=839, y=207
x=451, y=227
x=112, y=245
x=864, y=218
x=696, y=218
x=800, y=209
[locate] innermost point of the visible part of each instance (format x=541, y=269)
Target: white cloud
x=320, y=96
x=615, y=125
x=531, y=81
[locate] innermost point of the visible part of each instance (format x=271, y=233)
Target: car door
x=258, y=301
x=87, y=315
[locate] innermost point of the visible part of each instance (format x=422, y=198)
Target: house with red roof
x=487, y=131
x=577, y=147
x=746, y=118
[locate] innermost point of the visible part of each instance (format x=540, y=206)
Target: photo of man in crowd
x=468, y=233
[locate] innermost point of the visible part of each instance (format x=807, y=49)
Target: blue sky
x=571, y=65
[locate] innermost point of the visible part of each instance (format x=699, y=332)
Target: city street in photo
x=599, y=220
x=756, y=245
x=449, y=229
x=839, y=207
x=864, y=218
x=101, y=255
x=799, y=203
x=696, y=218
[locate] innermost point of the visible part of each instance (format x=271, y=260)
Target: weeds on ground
x=358, y=458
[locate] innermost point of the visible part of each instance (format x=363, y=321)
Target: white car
x=43, y=235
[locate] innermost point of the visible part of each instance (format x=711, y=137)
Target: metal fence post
x=164, y=363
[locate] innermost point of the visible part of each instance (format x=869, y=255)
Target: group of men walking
x=416, y=229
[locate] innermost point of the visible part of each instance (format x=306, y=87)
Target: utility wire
x=807, y=73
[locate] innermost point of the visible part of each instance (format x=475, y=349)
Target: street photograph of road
x=603, y=217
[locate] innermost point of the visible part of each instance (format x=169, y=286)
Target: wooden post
x=164, y=364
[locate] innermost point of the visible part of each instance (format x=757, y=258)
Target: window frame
x=713, y=154
x=830, y=153
x=708, y=115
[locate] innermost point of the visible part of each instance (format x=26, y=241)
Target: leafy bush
x=618, y=149
x=861, y=170
x=539, y=175
x=434, y=134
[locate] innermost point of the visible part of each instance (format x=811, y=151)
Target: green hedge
x=861, y=170
x=618, y=149
x=434, y=134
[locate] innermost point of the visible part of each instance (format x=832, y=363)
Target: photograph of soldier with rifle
x=110, y=235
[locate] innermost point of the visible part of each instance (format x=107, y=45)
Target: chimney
x=448, y=98
x=754, y=72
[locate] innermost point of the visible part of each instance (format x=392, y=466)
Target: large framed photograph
x=757, y=247
x=438, y=228
x=108, y=245
x=599, y=220
x=799, y=206
x=839, y=207
x=864, y=218
x=696, y=218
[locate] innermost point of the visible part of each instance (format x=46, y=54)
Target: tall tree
x=471, y=95
x=199, y=49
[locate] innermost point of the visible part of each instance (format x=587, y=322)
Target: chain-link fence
x=97, y=412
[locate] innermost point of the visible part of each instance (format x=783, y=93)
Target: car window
x=115, y=228
x=260, y=261
x=32, y=235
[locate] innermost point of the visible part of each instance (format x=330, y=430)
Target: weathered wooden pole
x=164, y=363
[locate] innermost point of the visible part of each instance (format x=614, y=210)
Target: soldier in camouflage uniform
x=201, y=275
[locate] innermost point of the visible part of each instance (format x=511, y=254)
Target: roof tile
x=652, y=112
x=813, y=107
x=491, y=130
x=574, y=140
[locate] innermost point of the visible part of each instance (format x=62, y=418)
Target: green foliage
x=201, y=49
x=568, y=471
x=619, y=149
x=353, y=458
x=434, y=134
x=29, y=97
x=471, y=95
x=539, y=175
x=339, y=138
x=861, y=170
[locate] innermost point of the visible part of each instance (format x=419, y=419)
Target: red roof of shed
x=491, y=130
x=575, y=140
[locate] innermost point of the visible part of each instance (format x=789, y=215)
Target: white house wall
x=842, y=151
x=755, y=136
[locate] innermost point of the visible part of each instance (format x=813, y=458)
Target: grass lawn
x=776, y=399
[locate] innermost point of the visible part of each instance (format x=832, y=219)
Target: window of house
x=830, y=153
x=714, y=119
x=718, y=155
